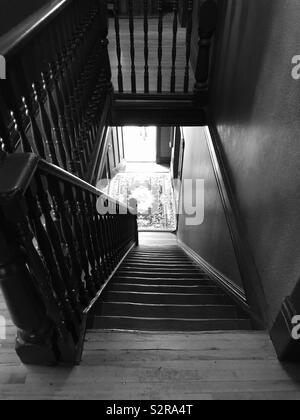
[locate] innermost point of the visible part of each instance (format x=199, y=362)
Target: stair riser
x=164, y=281
x=164, y=311
x=157, y=255
x=159, y=266
x=166, y=299
x=170, y=325
x=159, y=261
x=159, y=275
x=205, y=290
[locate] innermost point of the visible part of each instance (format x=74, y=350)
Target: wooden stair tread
x=161, y=289
x=169, y=324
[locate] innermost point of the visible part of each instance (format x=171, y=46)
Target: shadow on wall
x=12, y=12
x=255, y=108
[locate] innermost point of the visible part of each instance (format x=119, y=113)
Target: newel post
x=134, y=211
x=207, y=25
x=34, y=343
x=104, y=27
x=285, y=332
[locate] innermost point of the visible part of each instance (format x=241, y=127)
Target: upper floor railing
x=60, y=241
x=55, y=100
x=162, y=46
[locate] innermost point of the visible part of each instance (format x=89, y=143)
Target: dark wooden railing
x=58, y=82
x=57, y=253
x=200, y=18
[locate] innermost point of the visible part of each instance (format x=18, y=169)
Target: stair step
x=160, y=274
x=144, y=268
x=159, y=254
x=166, y=298
x=167, y=311
x=175, y=324
x=159, y=288
x=158, y=266
x=160, y=259
x=161, y=281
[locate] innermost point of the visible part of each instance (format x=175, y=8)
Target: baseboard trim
x=231, y=289
x=250, y=275
x=88, y=314
x=287, y=348
x=235, y=291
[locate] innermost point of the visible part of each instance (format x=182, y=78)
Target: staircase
x=162, y=289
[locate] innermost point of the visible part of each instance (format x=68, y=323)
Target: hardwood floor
x=143, y=366
x=153, y=60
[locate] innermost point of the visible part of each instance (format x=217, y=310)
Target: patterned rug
x=154, y=194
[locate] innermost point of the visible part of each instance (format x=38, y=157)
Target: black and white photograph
x=150, y=203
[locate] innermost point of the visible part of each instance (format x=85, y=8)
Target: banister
x=18, y=169
x=60, y=173
x=13, y=40
x=56, y=253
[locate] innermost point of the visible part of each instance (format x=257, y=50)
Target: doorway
x=140, y=144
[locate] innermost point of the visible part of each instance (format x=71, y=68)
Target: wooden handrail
x=63, y=175
x=11, y=42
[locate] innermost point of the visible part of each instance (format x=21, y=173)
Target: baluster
x=61, y=117
x=4, y=131
x=61, y=206
x=174, y=47
x=101, y=240
x=87, y=288
x=36, y=134
x=160, y=45
x=91, y=212
x=146, y=49
x=58, y=226
x=88, y=238
x=46, y=126
x=132, y=46
x=189, y=30
x=38, y=206
x=19, y=129
x=207, y=25
x=61, y=150
x=107, y=240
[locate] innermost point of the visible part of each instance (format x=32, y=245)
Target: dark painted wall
x=163, y=145
x=211, y=240
x=13, y=12
x=256, y=107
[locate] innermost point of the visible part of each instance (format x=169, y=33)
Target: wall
x=13, y=12
x=163, y=145
x=255, y=107
x=211, y=240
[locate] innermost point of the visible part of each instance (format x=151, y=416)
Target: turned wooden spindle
x=174, y=46
x=206, y=29
x=160, y=45
x=189, y=30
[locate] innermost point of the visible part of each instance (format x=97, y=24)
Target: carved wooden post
x=285, y=332
x=207, y=25
x=43, y=337
x=35, y=330
x=34, y=343
x=104, y=23
x=134, y=206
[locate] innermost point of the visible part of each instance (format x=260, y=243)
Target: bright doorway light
x=140, y=144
